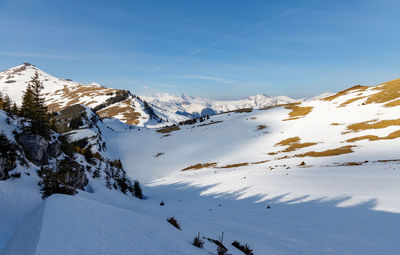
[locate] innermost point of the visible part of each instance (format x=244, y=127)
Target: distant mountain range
x=150, y=111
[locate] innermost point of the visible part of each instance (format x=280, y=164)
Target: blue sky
x=219, y=49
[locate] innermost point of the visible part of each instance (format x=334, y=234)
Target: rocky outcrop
x=70, y=118
x=35, y=147
x=72, y=173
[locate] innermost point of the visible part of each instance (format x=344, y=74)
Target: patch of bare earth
x=200, y=166
x=297, y=111
x=293, y=144
x=125, y=108
x=387, y=92
x=372, y=124
x=393, y=135
x=327, y=153
x=358, y=88
x=168, y=129
x=351, y=100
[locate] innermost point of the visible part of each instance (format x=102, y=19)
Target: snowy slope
x=60, y=93
x=186, y=106
x=243, y=176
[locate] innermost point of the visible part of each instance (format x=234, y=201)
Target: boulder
x=35, y=147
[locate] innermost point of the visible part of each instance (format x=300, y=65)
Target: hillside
x=313, y=177
x=61, y=93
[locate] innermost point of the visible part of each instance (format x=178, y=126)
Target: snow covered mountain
x=193, y=107
x=319, y=176
x=61, y=93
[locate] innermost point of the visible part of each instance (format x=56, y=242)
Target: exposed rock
x=70, y=118
x=54, y=149
x=73, y=173
x=35, y=147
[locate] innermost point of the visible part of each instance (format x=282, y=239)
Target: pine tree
x=137, y=189
x=34, y=110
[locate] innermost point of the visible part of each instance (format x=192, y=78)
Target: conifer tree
x=34, y=110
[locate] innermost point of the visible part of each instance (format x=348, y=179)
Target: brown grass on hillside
x=235, y=165
x=327, y=153
x=388, y=91
x=125, y=109
x=373, y=124
x=393, y=103
x=259, y=162
x=297, y=111
x=393, y=135
x=54, y=107
x=292, y=144
x=335, y=124
x=200, y=166
x=351, y=100
x=346, y=91
x=168, y=129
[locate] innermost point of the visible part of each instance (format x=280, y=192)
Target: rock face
x=73, y=174
x=35, y=147
x=54, y=149
x=70, y=118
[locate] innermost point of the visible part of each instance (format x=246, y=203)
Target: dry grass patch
x=387, y=92
x=335, y=124
x=373, y=124
x=393, y=135
x=288, y=141
x=351, y=100
x=293, y=144
x=235, y=165
x=168, y=129
x=200, y=166
x=333, y=152
x=125, y=109
x=260, y=162
x=297, y=111
x=346, y=91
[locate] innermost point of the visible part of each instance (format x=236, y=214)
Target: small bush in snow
x=174, y=223
x=222, y=250
x=244, y=248
x=197, y=241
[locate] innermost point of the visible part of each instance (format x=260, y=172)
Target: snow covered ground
x=243, y=176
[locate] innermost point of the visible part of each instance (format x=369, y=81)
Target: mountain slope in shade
x=60, y=93
x=193, y=107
